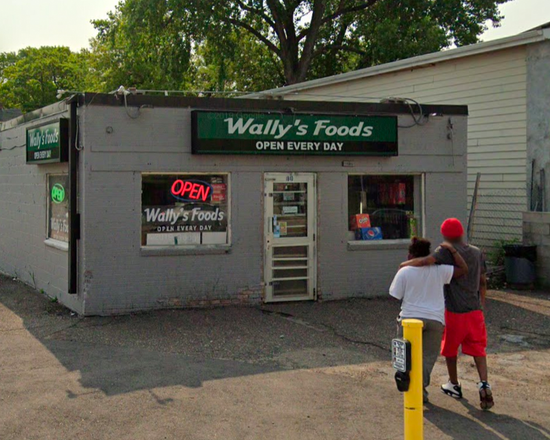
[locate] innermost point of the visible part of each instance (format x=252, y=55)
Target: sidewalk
x=290, y=371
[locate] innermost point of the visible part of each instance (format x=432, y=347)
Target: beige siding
x=493, y=86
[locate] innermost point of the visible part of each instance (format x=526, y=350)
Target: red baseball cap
x=452, y=228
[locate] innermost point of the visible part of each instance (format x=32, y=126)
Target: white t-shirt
x=421, y=289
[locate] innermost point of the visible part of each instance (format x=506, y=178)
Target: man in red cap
x=464, y=301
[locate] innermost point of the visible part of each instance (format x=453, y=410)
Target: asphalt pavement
x=285, y=371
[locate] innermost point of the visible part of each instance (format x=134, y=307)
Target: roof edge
x=43, y=112
x=525, y=38
x=268, y=105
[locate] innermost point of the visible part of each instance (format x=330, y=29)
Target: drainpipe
x=74, y=216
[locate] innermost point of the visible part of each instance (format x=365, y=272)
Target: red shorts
x=466, y=329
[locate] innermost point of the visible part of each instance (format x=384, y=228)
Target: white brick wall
x=115, y=276
x=23, y=222
x=120, y=279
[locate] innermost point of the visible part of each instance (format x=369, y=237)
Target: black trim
x=234, y=104
x=74, y=217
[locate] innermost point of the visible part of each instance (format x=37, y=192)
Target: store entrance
x=290, y=236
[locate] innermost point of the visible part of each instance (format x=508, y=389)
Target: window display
x=58, y=207
x=382, y=207
x=184, y=209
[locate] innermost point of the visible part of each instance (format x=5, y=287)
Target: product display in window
x=184, y=209
x=381, y=207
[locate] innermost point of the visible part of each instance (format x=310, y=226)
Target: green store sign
x=48, y=143
x=58, y=193
x=295, y=134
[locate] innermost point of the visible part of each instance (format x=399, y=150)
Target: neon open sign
x=191, y=190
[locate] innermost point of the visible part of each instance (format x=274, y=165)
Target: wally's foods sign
x=296, y=134
x=181, y=205
x=48, y=143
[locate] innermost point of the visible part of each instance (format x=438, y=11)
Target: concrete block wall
x=536, y=230
x=23, y=213
x=538, y=124
x=117, y=276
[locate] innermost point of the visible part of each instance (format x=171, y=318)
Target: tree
x=30, y=78
x=236, y=62
x=255, y=44
x=145, y=43
x=302, y=33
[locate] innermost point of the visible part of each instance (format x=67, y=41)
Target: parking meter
x=401, y=361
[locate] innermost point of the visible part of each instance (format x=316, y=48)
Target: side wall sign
x=48, y=143
x=293, y=134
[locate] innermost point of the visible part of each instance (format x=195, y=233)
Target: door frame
x=269, y=241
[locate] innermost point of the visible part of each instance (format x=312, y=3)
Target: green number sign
x=58, y=193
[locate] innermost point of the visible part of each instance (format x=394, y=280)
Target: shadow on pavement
x=188, y=347
x=144, y=351
x=116, y=370
x=484, y=425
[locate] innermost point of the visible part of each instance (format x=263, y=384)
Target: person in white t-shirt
x=421, y=291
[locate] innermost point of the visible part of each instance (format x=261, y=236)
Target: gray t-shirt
x=462, y=295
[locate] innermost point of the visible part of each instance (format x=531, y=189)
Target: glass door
x=290, y=234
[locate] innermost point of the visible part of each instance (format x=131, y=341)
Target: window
x=383, y=207
x=58, y=207
x=184, y=209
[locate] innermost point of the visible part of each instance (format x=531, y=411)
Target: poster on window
x=58, y=222
x=184, y=209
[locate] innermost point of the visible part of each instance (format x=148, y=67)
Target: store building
x=114, y=203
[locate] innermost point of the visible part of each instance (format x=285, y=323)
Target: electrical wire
x=418, y=119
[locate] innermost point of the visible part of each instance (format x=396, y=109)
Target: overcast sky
x=67, y=22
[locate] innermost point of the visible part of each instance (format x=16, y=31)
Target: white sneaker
x=453, y=390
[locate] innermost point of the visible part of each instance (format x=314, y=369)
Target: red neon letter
x=194, y=193
x=203, y=192
x=186, y=187
x=175, y=188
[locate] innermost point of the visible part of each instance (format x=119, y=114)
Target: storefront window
x=184, y=209
x=383, y=207
x=58, y=207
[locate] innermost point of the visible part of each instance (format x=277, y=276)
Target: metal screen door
x=290, y=234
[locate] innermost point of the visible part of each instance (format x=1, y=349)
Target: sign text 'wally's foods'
x=274, y=133
x=48, y=143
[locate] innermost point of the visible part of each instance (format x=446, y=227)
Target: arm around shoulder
x=461, y=268
x=419, y=262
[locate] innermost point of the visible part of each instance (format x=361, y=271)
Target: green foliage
x=242, y=45
x=496, y=255
x=237, y=62
x=143, y=43
x=258, y=44
x=30, y=78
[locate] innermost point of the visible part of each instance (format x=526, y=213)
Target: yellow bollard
x=413, y=399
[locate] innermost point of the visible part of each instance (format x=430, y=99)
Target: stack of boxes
x=360, y=223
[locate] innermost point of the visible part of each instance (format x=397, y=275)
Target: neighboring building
x=172, y=202
x=506, y=85
x=7, y=114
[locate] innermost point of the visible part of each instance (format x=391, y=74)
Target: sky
x=67, y=22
